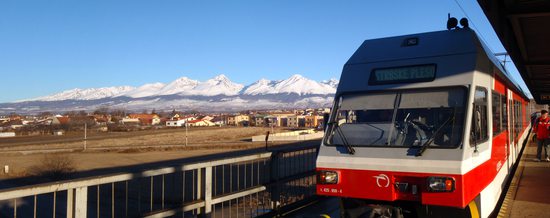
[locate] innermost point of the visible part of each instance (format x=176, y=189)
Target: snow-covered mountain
x=218, y=93
x=181, y=85
x=331, y=82
x=302, y=86
x=144, y=90
x=219, y=85
x=295, y=84
x=85, y=94
x=259, y=87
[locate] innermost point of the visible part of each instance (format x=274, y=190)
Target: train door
x=510, y=125
x=518, y=125
x=505, y=129
x=513, y=130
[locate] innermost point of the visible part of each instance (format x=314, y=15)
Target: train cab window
x=426, y=114
x=479, y=117
x=363, y=119
x=427, y=117
x=497, y=123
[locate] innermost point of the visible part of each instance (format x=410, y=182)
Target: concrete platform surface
x=531, y=195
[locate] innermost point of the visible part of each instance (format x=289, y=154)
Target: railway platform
x=529, y=192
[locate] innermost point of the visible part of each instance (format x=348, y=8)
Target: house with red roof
x=144, y=119
x=60, y=120
x=201, y=123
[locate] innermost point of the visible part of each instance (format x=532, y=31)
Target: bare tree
x=82, y=113
x=102, y=110
x=118, y=112
x=45, y=114
x=70, y=113
x=54, y=166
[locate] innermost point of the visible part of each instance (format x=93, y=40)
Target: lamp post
x=85, y=134
x=266, y=139
x=272, y=131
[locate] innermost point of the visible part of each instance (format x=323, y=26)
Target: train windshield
x=424, y=117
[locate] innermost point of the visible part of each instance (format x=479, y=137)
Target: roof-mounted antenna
x=452, y=23
x=464, y=23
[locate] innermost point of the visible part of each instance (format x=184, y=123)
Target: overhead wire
x=481, y=35
x=474, y=25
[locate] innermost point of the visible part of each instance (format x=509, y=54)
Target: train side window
x=527, y=114
x=497, y=123
x=511, y=127
x=529, y=110
x=517, y=118
x=520, y=116
x=479, y=119
x=504, y=113
x=522, y=113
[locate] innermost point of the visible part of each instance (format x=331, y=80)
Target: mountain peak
x=182, y=84
x=184, y=79
x=219, y=85
x=263, y=80
x=297, y=76
x=220, y=77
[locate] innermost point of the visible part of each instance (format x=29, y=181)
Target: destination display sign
x=418, y=73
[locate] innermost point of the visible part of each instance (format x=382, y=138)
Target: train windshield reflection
x=401, y=118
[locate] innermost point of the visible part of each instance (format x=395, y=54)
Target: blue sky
x=51, y=46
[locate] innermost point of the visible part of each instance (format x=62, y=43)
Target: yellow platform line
x=508, y=202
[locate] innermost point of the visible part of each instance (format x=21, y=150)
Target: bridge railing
x=240, y=186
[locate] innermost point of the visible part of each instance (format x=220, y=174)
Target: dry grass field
x=127, y=149
x=171, y=137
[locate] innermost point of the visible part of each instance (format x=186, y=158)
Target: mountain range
x=216, y=94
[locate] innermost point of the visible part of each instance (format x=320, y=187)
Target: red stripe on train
x=381, y=185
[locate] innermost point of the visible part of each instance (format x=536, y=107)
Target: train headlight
x=327, y=177
x=441, y=184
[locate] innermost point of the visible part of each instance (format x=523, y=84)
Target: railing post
x=274, y=180
x=207, y=191
x=199, y=188
x=70, y=203
x=81, y=202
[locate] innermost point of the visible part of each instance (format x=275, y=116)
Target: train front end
x=397, y=140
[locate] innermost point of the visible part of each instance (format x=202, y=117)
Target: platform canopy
x=523, y=27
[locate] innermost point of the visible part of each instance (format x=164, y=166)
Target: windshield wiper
x=349, y=147
x=436, y=133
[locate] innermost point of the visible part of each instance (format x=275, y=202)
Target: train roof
x=430, y=44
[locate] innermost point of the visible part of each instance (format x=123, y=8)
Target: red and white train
x=423, y=125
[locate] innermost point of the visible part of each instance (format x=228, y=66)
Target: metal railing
x=242, y=186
